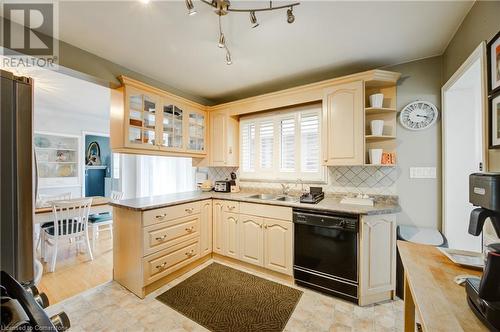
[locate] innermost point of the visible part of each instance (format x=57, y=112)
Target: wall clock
x=418, y=115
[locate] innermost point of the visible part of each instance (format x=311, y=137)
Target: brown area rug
x=221, y=298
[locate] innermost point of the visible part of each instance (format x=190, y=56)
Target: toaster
x=222, y=186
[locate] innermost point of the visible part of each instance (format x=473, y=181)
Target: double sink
x=271, y=197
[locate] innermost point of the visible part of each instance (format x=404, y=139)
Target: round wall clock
x=418, y=115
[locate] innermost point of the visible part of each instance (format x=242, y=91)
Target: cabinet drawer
x=267, y=211
x=231, y=206
x=172, y=212
x=167, y=234
x=165, y=262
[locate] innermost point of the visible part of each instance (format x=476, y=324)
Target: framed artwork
x=495, y=121
x=493, y=50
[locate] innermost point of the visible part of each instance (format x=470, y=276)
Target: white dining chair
x=46, y=200
x=98, y=221
x=70, y=222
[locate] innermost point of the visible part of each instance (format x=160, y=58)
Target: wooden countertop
x=96, y=201
x=440, y=302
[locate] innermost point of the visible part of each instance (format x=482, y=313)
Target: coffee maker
x=483, y=295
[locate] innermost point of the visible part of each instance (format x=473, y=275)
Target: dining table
x=100, y=204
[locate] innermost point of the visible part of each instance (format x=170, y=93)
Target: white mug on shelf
x=377, y=100
x=377, y=127
x=375, y=156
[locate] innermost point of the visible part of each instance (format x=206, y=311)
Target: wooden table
x=99, y=205
x=431, y=291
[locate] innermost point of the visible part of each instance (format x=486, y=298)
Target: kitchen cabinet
x=343, y=124
x=377, y=258
x=218, y=232
x=278, y=249
x=206, y=227
x=224, y=134
x=146, y=120
x=251, y=239
x=230, y=226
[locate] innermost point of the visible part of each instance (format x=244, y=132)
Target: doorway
x=463, y=146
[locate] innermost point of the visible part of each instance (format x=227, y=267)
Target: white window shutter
x=248, y=146
x=266, y=144
x=310, y=142
x=287, y=148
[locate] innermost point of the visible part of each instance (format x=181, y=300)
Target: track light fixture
x=190, y=7
x=253, y=20
x=223, y=7
x=290, y=18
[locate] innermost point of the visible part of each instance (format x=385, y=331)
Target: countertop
x=330, y=204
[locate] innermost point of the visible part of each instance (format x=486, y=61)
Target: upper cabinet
x=343, y=124
x=146, y=120
x=224, y=134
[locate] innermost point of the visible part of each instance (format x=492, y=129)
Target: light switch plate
x=422, y=172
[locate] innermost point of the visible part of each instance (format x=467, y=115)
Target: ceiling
x=328, y=39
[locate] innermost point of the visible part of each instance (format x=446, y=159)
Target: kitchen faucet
x=285, y=189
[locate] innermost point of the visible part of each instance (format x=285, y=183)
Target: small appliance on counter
x=314, y=196
x=483, y=295
x=223, y=186
x=206, y=186
x=235, y=188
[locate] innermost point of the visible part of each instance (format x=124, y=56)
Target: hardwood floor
x=75, y=272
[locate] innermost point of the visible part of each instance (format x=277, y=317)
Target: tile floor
x=110, y=307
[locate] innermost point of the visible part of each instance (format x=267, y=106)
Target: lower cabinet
x=254, y=239
x=377, y=258
x=251, y=239
x=206, y=227
x=278, y=237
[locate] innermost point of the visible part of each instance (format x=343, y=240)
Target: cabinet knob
x=161, y=238
x=190, y=254
x=190, y=229
x=189, y=210
x=162, y=266
x=161, y=216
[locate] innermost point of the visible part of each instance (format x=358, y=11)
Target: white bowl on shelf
x=375, y=156
x=377, y=100
x=377, y=127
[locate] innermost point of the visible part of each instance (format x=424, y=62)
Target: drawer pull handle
x=162, y=266
x=231, y=207
x=161, y=216
x=161, y=238
x=189, y=210
x=190, y=254
x=190, y=229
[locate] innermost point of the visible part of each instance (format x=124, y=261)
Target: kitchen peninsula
x=158, y=238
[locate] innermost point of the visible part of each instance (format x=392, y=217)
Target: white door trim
x=478, y=54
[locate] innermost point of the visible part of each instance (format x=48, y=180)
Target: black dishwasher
x=326, y=252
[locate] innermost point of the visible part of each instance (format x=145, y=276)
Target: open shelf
x=379, y=110
x=373, y=138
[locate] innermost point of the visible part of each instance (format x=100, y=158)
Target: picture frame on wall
x=495, y=121
x=493, y=54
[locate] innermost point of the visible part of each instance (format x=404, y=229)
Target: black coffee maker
x=483, y=295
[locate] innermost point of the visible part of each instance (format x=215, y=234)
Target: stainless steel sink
x=267, y=197
x=287, y=199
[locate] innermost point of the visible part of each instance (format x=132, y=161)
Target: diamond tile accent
x=341, y=179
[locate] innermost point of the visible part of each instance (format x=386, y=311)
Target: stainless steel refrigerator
x=17, y=178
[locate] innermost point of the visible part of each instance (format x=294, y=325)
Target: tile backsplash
x=341, y=179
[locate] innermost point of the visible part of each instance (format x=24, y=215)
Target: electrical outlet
x=422, y=172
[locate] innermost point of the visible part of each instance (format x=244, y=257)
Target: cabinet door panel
x=206, y=227
x=231, y=232
x=251, y=239
x=378, y=254
x=278, y=245
x=343, y=124
x=218, y=139
x=218, y=229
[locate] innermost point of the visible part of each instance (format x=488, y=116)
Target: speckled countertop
x=330, y=203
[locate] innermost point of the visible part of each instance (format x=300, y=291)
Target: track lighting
x=190, y=7
x=222, y=41
x=228, y=57
x=253, y=20
x=290, y=18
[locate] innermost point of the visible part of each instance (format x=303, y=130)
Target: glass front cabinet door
x=172, y=126
x=141, y=111
x=196, y=138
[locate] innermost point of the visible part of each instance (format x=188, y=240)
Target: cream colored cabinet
x=278, y=236
x=206, y=227
x=343, y=124
x=218, y=231
x=230, y=227
x=251, y=239
x=224, y=134
x=377, y=258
